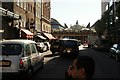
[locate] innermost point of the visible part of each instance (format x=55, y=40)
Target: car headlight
x=68, y=51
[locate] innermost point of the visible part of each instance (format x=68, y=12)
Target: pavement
x=47, y=53
x=82, y=47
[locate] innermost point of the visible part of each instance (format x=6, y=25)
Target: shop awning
x=26, y=33
x=41, y=37
x=49, y=36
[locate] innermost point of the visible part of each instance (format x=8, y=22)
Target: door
x=35, y=56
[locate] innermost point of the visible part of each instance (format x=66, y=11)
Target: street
x=55, y=67
x=32, y=31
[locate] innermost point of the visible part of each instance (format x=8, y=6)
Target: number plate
x=5, y=63
x=55, y=46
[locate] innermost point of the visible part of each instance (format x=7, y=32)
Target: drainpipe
x=41, y=15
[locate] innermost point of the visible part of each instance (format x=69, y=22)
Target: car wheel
x=110, y=54
x=42, y=65
x=61, y=55
x=30, y=72
x=116, y=57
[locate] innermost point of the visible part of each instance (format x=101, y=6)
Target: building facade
x=75, y=32
x=38, y=16
x=27, y=22
x=110, y=10
x=8, y=17
x=45, y=16
x=34, y=17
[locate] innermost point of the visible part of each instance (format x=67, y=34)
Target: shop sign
x=10, y=14
x=3, y=12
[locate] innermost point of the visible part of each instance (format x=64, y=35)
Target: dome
x=55, y=24
x=76, y=26
x=54, y=21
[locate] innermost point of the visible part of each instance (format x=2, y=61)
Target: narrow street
x=31, y=28
x=55, y=67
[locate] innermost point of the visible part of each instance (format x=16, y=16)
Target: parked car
x=48, y=45
x=20, y=57
x=55, y=46
x=103, y=45
x=41, y=47
x=115, y=52
x=69, y=47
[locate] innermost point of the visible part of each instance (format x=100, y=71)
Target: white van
x=20, y=56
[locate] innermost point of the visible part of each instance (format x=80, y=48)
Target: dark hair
x=87, y=63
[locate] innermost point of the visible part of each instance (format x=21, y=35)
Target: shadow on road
x=51, y=55
x=54, y=68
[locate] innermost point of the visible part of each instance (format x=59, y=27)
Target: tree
x=118, y=10
x=101, y=24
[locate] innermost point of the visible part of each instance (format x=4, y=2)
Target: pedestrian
x=82, y=68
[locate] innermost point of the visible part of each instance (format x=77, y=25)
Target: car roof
x=69, y=39
x=17, y=41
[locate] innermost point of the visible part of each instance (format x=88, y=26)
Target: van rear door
x=10, y=57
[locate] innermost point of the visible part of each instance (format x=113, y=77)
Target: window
x=31, y=9
x=33, y=48
x=17, y=2
x=11, y=49
x=67, y=42
x=118, y=46
x=28, y=52
x=24, y=3
x=28, y=8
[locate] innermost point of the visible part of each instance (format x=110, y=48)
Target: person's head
x=82, y=68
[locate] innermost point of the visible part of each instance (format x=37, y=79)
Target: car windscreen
x=119, y=47
x=11, y=49
x=69, y=43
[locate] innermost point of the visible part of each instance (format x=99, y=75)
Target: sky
x=69, y=11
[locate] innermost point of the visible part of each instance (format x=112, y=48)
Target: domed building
x=77, y=27
x=55, y=25
x=75, y=32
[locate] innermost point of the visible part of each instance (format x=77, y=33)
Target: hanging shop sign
x=4, y=12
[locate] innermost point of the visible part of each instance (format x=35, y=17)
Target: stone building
x=76, y=31
x=26, y=19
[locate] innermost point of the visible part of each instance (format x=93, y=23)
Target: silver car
x=20, y=56
x=115, y=52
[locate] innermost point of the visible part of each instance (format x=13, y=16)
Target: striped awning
x=26, y=33
x=49, y=36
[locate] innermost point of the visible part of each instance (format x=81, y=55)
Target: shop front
x=39, y=38
x=49, y=36
x=8, y=31
x=26, y=34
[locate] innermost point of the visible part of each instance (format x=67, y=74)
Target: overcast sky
x=69, y=11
